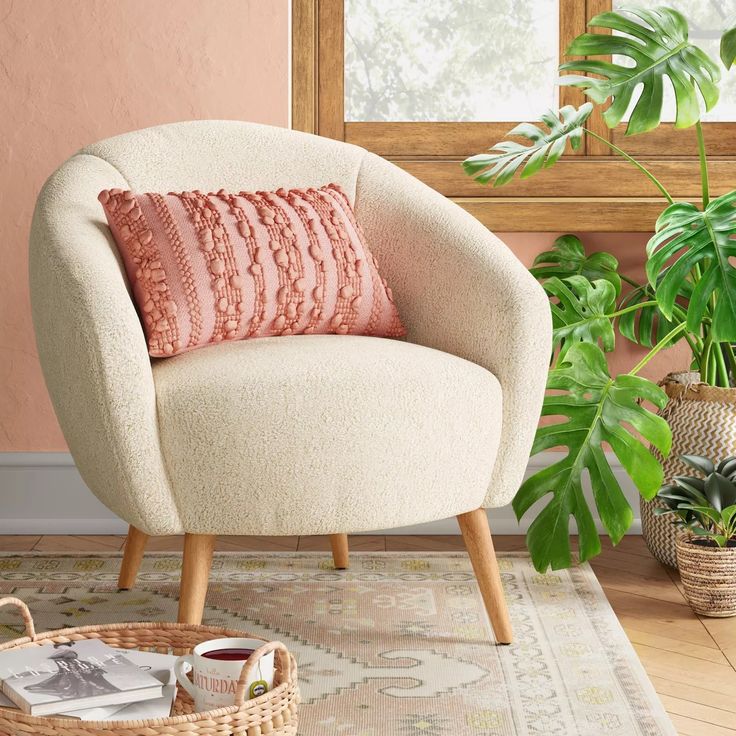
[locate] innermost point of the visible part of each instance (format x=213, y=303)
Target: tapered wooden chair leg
x=340, y=551
x=478, y=542
x=135, y=546
x=195, y=575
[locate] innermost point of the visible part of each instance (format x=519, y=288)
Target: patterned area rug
x=399, y=645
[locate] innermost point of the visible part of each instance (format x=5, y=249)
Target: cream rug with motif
x=399, y=645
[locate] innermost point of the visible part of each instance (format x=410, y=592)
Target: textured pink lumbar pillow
x=212, y=267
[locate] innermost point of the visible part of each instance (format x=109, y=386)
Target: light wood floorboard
x=79, y=543
x=691, y=660
x=356, y=543
x=693, y=727
x=18, y=542
x=417, y=543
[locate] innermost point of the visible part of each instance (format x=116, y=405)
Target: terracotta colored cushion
x=212, y=267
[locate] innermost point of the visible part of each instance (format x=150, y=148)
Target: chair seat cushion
x=324, y=434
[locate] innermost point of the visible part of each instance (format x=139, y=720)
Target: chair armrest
x=92, y=348
x=459, y=289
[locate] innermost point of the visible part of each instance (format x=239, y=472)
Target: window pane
x=450, y=60
x=707, y=20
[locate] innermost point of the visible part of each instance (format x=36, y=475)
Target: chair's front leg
x=340, y=551
x=135, y=546
x=195, y=576
x=478, y=542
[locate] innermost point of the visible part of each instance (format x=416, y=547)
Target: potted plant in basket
x=706, y=508
x=690, y=294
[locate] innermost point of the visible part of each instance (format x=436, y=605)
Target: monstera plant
x=689, y=294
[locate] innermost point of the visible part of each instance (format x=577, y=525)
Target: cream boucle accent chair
x=300, y=434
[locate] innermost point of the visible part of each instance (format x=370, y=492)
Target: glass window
x=708, y=19
x=450, y=60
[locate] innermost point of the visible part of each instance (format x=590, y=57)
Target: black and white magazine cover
x=161, y=666
x=74, y=675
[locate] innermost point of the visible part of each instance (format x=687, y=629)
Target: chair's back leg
x=135, y=546
x=340, y=551
x=478, y=542
x=195, y=574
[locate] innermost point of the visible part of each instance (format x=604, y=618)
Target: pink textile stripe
x=211, y=267
x=384, y=322
x=183, y=289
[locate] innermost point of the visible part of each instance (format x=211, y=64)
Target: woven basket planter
x=703, y=422
x=272, y=714
x=708, y=575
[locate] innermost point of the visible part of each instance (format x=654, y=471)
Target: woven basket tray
x=272, y=714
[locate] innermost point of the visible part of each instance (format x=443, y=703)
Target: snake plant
x=689, y=293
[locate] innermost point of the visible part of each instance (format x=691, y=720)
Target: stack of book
x=88, y=680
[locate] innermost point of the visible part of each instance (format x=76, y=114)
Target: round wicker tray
x=272, y=714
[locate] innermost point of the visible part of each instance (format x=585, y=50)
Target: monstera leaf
x=568, y=258
x=728, y=47
x=594, y=408
x=658, y=47
x=647, y=326
x=581, y=312
x=686, y=237
x=508, y=157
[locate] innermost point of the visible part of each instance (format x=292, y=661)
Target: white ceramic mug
x=214, y=682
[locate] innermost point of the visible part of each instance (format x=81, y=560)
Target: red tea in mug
x=229, y=655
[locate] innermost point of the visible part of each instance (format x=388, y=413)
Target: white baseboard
x=42, y=493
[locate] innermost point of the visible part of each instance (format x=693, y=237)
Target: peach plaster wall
x=75, y=71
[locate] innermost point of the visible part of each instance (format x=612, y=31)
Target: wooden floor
x=691, y=660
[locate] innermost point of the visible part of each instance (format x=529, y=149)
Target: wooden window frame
x=591, y=190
